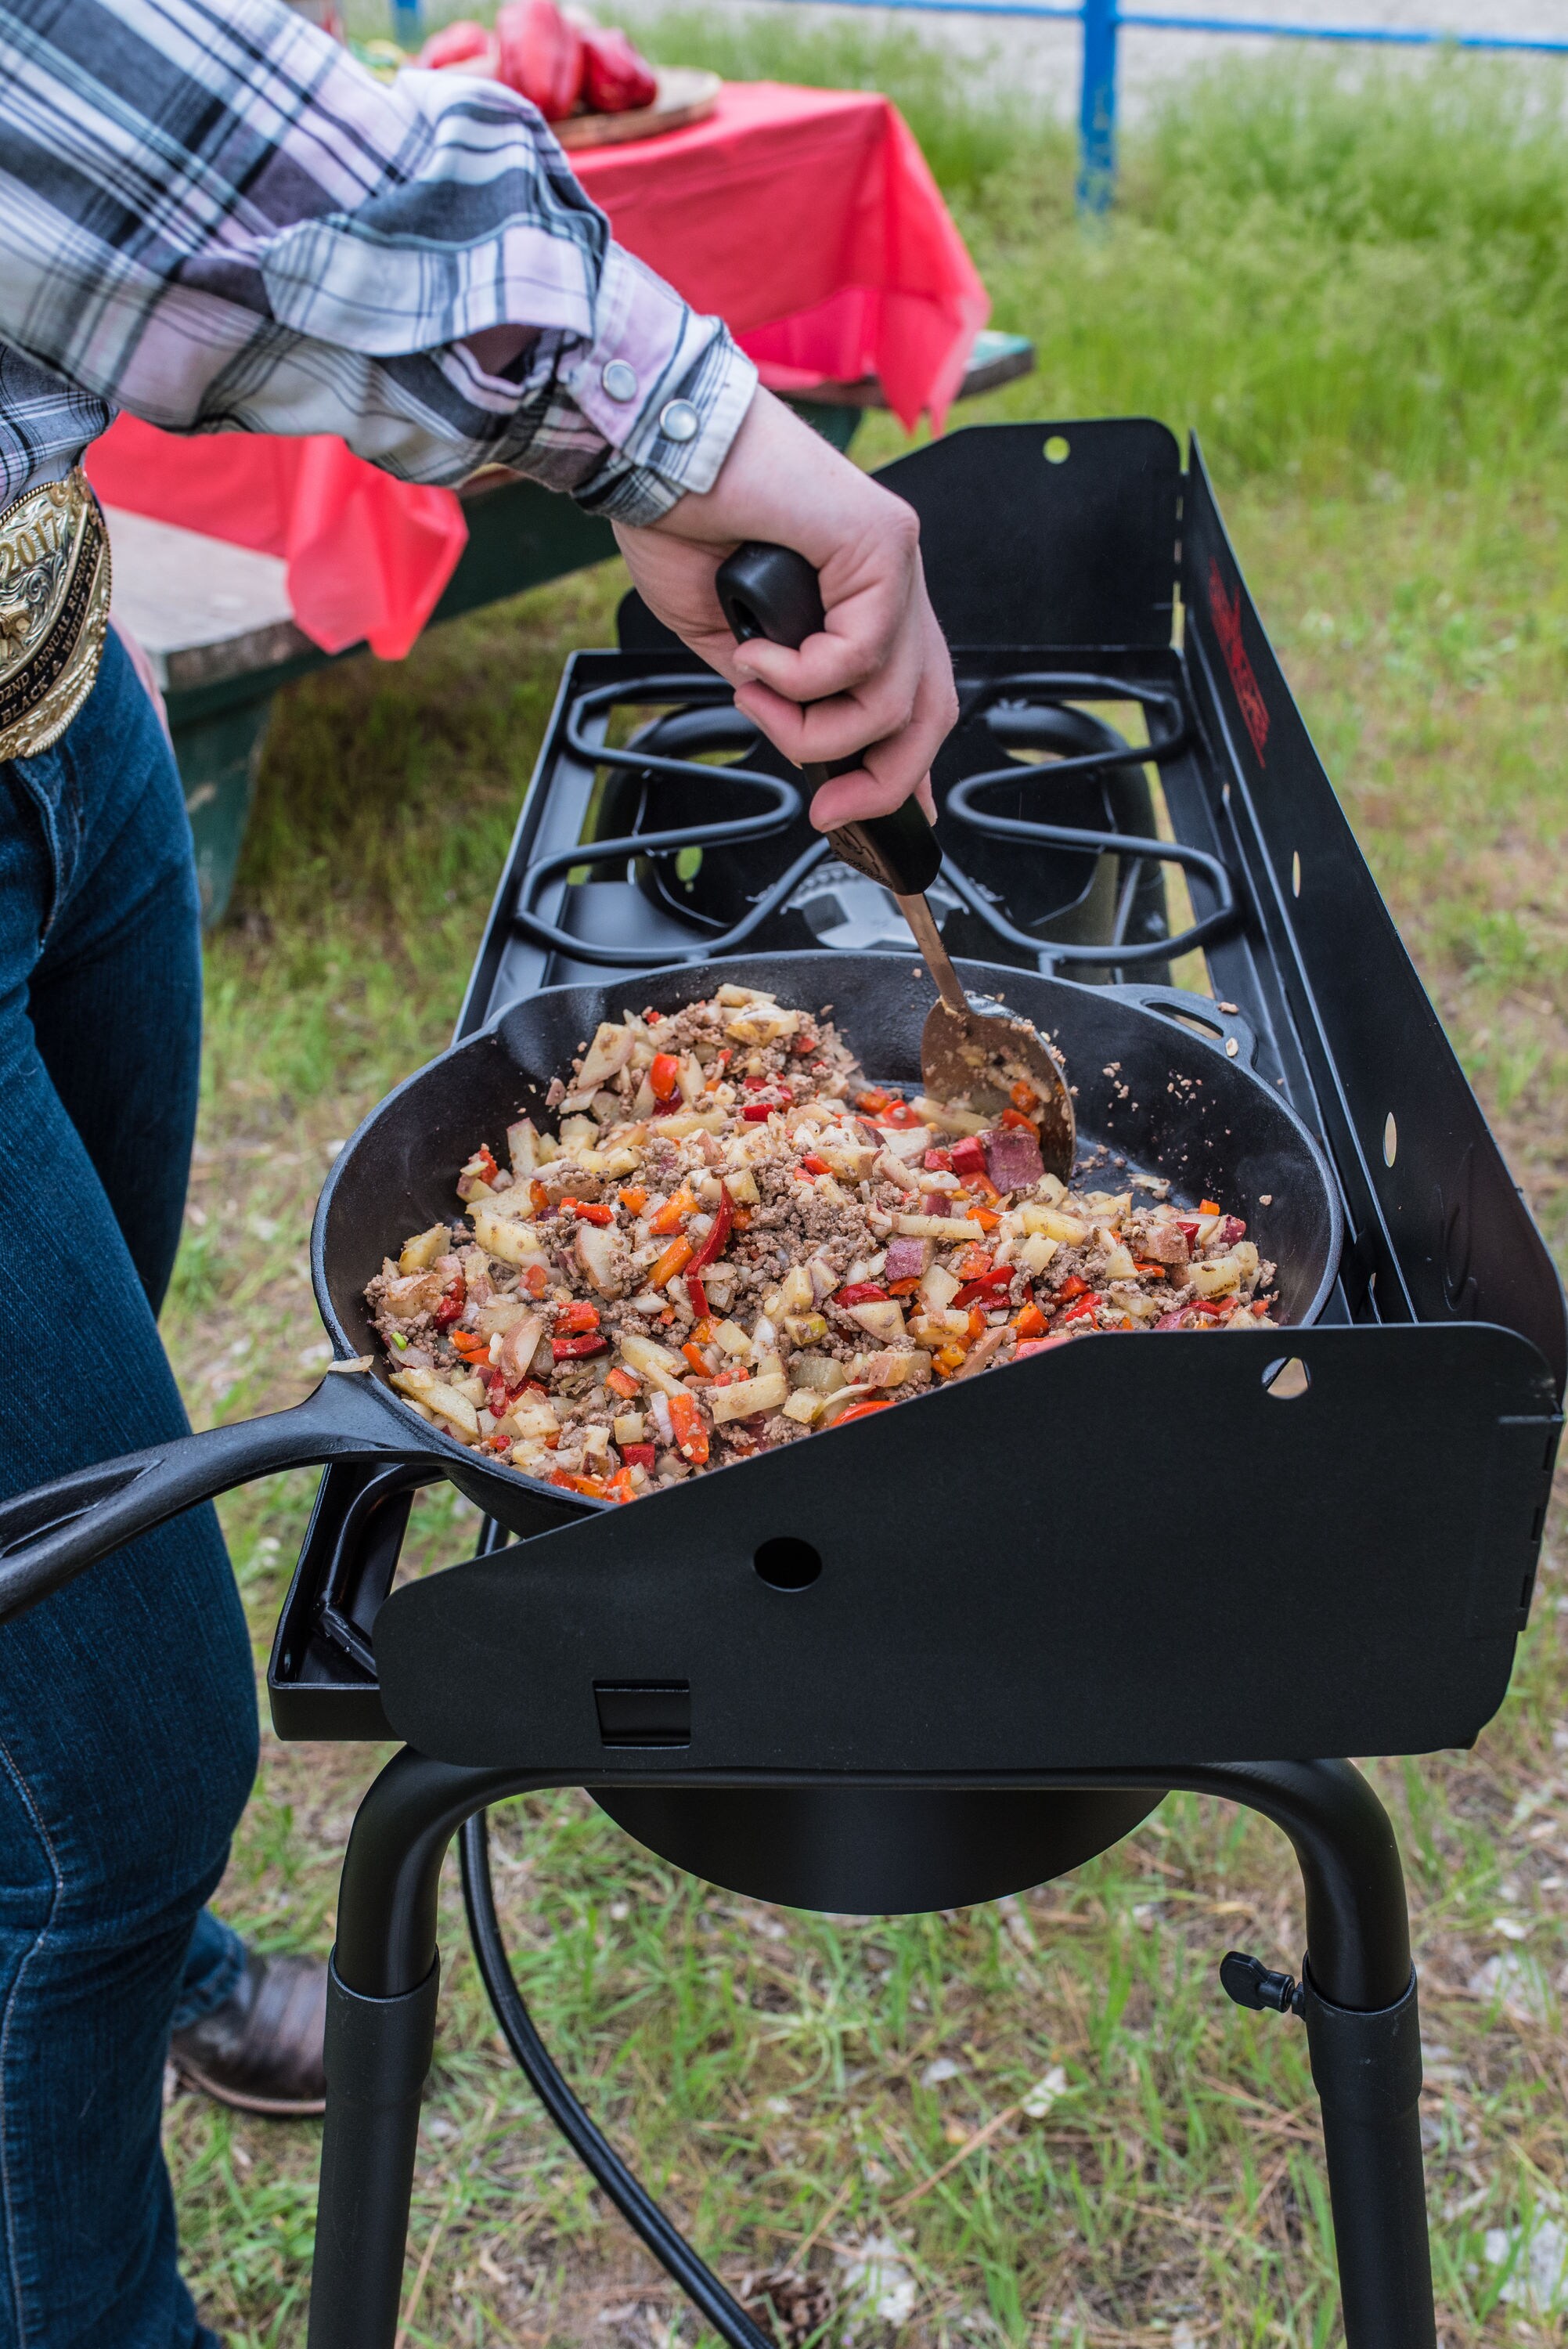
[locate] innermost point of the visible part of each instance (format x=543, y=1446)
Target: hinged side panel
x=1399, y=1113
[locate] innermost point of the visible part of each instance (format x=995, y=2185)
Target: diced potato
x=654, y=1362
x=950, y=1121
x=516, y=1202
x=934, y=1227
x=547, y=1149
x=498, y=1316
x=732, y=1338
x=1213, y=1279
x=1052, y=1188
x=819, y=1374
x=762, y=1023
x=1036, y=1252
x=627, y=1427
x=1247, y=1256
x=609, y=1051
x=883, y=1321
x=531, y=1417
x=522, y=1146
x=446, y=1402
x=938, y=1289
x=596, y=1444
x=690, y=1077
x=411, y=1294
x=797, y=1291
x=803, y=1405
x=601, y=1253
x=854, y=1163
x=748, y=1397
x=1119, y=1264
x=420, y=1252
x=742, y=1188
x=503, y=1237
x=730, y=995
x=1138, y=1303
x=472, y=1387
x=805, y=1329
x=577, y=1133
x=936, y=1328
x=1054, y=1226
x=886, y=1369
x=690, y=1122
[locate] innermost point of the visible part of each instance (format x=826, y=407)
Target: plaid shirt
x=215, y=218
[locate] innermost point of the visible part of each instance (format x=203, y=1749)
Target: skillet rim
x=435, y=1440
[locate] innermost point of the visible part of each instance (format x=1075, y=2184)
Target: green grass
x=1324, y=274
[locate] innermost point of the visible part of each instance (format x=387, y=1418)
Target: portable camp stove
x=1129, y=780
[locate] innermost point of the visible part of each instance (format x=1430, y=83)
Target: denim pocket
x=54, y=786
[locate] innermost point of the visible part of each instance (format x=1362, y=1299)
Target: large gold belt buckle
x=54, y=610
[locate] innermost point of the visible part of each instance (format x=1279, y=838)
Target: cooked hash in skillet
x=734, y=1240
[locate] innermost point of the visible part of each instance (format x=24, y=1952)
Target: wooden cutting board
x=686, y=94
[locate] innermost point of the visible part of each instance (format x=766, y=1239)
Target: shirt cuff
x=663, y=386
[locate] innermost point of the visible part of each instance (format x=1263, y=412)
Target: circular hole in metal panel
x=785, y=1563
x=1390, y=1140
x=1295, y=875
x=1057, y=449
x=1287, y=1380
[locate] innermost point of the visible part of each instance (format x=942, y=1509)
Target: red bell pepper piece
x=756, y=1112
x=1084, y=1306
x=594, y=1487
x=698, y=1294
x=616, y=77
x=938, y=1162
x=539, y=54
x=814, y=1165
x=577, y=1350
x=982, y=1290
x=577, y=1318
x=588, y=1211
x=967, y=1159
x=901, y=1115
x=861, y=1292
x=718, y=1233
x=860, y=1411
x=663, y=1074
x=1072, y=1287
x=639, y=1455
x=451, y=1304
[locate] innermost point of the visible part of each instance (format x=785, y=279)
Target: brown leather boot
x=261, y=2050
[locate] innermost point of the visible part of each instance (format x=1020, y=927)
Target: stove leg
x=1363, y=2034
x=380, y=2028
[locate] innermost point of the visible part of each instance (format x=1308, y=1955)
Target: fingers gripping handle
x=47, y=1536
x=772, y=592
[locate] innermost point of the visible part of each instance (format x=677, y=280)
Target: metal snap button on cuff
x=678, y=420
x=620, y=380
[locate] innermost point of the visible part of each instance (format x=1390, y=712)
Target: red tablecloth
x=806, y=218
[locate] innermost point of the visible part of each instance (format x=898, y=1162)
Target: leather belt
x=54, y=610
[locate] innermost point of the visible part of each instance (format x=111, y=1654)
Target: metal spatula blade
x=973, y=1050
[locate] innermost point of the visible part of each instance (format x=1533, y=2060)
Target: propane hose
x=597, y=2155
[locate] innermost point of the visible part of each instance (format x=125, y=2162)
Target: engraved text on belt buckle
x=54, y=610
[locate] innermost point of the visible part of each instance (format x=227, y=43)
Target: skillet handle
x=1222, y=1029
x=770, y=590
x=48, y=1536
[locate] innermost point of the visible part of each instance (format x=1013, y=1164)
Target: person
x=214, y=218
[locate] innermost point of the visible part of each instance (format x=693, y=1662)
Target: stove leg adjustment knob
x=1250, y=1983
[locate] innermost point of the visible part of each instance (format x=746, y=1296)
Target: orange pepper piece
x=1208, y=1206
x=663, y=1074
x=691, y=1435
x=634, y=1199
x=985, y=1219
x=675, y=1258
x=1031, y=1322
x=1023, y=1097
x=623, y=1383
x=693, y=1355
x=674, y=1213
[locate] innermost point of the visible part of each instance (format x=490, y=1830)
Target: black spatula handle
x=770, y=590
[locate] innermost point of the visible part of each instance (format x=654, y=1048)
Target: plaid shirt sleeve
x=215, y=218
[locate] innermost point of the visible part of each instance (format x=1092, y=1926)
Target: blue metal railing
x=1102, y=22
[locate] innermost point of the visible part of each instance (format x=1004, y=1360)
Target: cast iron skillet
x=1176, y=1102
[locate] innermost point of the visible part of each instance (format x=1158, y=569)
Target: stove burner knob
x=620, y=381
x=678, y=420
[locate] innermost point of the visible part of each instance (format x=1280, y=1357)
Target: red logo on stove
x=1226, y=611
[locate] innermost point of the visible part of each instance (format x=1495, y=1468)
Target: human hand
x=878, y=676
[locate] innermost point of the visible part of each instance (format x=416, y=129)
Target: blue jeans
x=127, y=1718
